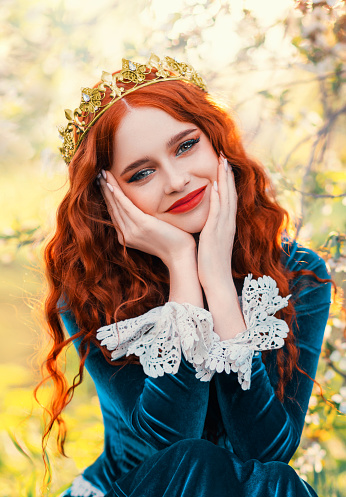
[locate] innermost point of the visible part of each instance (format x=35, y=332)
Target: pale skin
x=176, y=159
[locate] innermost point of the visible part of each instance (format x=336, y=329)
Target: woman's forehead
x=148, y=118
x=145, y=129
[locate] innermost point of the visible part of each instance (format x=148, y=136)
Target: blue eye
x=184, y=147
x=138, y=176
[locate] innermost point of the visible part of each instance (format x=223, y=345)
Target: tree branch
x=324, y=131
x=334, y=368
x=313, y=195
x=280, y=85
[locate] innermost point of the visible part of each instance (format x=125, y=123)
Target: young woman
x=167, y=266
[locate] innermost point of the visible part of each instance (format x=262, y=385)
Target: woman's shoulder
x=68, y=320
x=307, y=291
x=296, y=257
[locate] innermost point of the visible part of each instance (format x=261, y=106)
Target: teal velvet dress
x=155, y=428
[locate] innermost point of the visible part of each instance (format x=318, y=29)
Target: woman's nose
x=175, y=180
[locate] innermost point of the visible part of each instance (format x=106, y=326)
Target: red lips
x=187, y=198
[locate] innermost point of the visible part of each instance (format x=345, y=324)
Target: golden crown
x=91, y=107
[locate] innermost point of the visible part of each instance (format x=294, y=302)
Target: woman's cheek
x=208, y=166
x=144, y=203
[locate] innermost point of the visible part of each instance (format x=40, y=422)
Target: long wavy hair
x=100, y=281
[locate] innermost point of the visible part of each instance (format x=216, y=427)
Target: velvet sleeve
x=161, y=411
x=258, y=425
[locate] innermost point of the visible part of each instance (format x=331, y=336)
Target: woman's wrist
x=186, y=253
x=224, y=306
x=184, y=282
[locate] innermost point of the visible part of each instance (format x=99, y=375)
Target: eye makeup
x=189, y=143
x=182, y=149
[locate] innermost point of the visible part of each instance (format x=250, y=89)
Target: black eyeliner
x=192, y=141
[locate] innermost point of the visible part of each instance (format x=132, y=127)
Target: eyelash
x=191, y=142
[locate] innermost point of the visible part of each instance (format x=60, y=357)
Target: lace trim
x=260, y=300
x=83, y=488
x=159, y=336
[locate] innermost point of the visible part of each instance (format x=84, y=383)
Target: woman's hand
x=217, y=236
x=143, y=231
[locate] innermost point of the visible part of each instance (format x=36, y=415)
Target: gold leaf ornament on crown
x=91, y=105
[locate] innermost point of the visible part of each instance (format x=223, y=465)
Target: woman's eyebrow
x=179, y=136
x=172, y=141
x=134, y=165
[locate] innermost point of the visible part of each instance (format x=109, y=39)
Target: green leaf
x=19, y=448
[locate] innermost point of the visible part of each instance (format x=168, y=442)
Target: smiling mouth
x=190, y=203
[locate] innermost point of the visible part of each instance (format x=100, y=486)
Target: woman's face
x=169, y=159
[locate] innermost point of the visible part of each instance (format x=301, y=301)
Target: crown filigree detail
x=94, y=103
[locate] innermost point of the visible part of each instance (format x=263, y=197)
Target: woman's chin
x=190, y=225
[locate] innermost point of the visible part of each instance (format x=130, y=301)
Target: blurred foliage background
x=280, y=66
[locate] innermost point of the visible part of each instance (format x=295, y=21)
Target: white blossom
x=310, y=460
x=336, y=398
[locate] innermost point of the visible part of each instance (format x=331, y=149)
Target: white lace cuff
x=83, y=488
x=260, y=300
x=159, y=336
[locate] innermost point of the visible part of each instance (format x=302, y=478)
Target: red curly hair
x=101, y=281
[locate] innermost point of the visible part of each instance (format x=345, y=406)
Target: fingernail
x=99, y=175
x=225, y=163
x=216, y=188
x=104, y=173
x=110, y=187
x=97, y=181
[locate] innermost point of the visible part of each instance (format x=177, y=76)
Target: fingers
x=125, y=215
x=124, y=204
x=111, y=203
x=232, y=192
x=219, y=195
x=118, y=200
x=214, y=207
x=227, y=178
x=223, y=174
x=117, y=220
